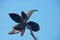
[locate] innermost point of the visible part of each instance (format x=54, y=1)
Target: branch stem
x=35, y=38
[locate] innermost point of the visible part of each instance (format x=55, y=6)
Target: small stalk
x=35, y=38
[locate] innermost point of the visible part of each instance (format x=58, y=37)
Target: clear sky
x=47, y=17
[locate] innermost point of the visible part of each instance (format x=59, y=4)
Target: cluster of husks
x=22, y=23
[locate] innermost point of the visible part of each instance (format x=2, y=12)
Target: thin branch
x=35, y=38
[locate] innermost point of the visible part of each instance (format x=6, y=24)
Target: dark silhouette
x=22, y=23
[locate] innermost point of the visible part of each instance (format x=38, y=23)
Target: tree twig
x=35, y=38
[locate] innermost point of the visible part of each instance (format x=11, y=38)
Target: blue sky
x=47, y=17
